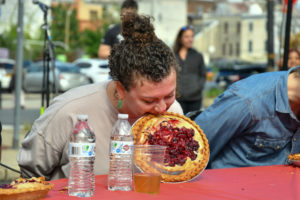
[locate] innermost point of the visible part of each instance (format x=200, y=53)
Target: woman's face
x=187, y=38
x=294, y=59
x=149, y=97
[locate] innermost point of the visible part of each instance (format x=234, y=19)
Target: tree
x=91, y=41
x=58, y=26
x=295, y=41
x=8, y=40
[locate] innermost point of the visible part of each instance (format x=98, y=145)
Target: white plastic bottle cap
x=82, y=117
x=123, y=116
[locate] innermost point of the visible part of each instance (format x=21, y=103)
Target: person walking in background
x=113, y=35
x=293, y=59
x=192, y=71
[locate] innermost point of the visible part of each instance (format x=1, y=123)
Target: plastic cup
x=148, y=161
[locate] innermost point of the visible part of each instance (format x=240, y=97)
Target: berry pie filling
x=179, y=141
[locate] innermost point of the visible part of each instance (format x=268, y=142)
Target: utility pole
x=270, y=30
x=67, y=26
x=287, y=34
x=18, y=75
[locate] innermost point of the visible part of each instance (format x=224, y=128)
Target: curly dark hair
x=129, y=4
x=140, y=54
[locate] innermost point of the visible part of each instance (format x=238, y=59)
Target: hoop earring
x=119, y=103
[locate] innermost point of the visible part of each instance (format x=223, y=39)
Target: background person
x=293, y=59
x=143, y=69
x=113, y=35
x=192, y=71
x=255, y=122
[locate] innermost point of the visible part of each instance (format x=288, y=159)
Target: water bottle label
x=82, y=149
x=121, y=147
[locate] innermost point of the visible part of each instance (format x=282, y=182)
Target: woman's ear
x=121, y=91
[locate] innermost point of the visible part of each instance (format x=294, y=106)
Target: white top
x=122, y=116
x=82, y=117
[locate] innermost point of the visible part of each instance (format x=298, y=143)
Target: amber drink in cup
x=148, y=162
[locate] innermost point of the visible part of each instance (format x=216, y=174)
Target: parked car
x=96, y=69
x=232, y=71
x=67, y=76
x=6, y=71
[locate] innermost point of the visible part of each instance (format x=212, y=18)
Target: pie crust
x=180, y=172
x=295, y=156
x=25, y=189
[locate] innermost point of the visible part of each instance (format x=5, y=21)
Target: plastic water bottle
x=121, y=148
x=82, y=156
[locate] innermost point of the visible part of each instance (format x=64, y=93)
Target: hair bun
x=138, y=29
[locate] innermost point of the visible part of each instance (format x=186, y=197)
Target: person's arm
x=44, y=150
x=202, y=71
x=107, y=42
x=228, y=117
x=104, y=51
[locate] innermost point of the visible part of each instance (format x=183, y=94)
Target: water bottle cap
x=82, y=117
x=123, y=116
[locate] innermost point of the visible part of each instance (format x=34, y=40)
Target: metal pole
x=0, y=94
x=18, y=74
x=270, y=24
x=287, y=34
x=280, y=56
x=67, y=27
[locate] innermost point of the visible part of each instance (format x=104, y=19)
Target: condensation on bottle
x=121, y=148
x=82, y=155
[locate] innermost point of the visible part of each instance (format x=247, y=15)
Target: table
x=251, y=183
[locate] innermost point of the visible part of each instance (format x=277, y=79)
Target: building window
x=224, y=49
x=230, y=49
x=199, y=10
x=250, y=47
x=93, y=15
x=237, y=49
x=225, y=27
x=250, y=26
x=238, y=28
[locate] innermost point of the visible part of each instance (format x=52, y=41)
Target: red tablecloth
x=251, y=183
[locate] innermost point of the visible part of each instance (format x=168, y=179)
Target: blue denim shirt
x=251, y=123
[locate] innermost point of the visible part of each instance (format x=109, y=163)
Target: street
x=28, y=114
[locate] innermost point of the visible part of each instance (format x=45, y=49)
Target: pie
x=187, y=151
x=25, y=189
x=295, y=156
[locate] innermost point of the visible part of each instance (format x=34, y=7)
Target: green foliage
x=27, y=127
x=58, y=28
x=86, y=42
x=9, y=38
x=213, y=92
x=295, y=41
x=91, y=41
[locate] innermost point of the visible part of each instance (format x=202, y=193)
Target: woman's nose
x=161, y=107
